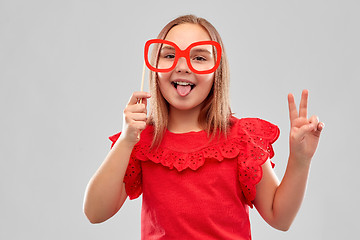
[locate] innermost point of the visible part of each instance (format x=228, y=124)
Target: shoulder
x=250, y=121
x=257, y=136
x=255, y=127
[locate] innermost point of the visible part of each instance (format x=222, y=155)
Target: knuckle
x=127, y=109
x=293, y=136
x=132, y=125
x=127, y=113
x=136, y=109
x=130, y=121
x=143, y=125
x=140, y=108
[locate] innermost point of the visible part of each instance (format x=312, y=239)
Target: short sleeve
x=133, y=176
x=259, y=136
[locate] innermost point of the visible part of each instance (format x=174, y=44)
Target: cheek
x=207, y=79
x=163, y=83
x=164, y=76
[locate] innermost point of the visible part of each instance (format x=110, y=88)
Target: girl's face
x=173, y=84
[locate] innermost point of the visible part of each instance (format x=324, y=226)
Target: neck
x=184, y=121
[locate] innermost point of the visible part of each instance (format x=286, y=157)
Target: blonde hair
x=215, y=113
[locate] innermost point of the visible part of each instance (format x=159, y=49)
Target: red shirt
x=194, y=188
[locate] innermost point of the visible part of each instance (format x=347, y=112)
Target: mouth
x=181, y=83
x=183, y=88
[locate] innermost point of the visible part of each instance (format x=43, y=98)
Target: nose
x=182, y=66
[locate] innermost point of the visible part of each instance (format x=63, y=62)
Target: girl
x=198, y=167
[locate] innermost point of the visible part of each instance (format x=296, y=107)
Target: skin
x=277, y=202
x=105, y=193
x=184, y=111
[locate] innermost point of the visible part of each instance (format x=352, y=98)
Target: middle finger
x=137, y=108
x=303, y=104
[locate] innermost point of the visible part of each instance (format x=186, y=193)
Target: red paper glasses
x=201, y=57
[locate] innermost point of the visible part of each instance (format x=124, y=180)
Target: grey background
x=67, y=69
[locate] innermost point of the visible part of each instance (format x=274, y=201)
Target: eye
x=169, y=56
x=167, y=52
x=199, y=58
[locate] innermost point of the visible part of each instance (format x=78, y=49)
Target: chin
x=183, y=106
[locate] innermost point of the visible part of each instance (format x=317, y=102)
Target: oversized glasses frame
x=182, y=53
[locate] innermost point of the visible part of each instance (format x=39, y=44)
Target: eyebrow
x=167, y=47
x=196, y=49
x=201, y=50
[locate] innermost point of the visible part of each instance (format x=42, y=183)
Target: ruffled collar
x=191, y=149
x=249, y=141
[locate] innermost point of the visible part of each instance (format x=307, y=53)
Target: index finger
x=293, y=113
x=136, y=96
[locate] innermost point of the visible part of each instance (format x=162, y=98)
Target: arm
x=278, y=203
x=105, y=193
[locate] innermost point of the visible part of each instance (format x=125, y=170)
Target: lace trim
x=194, y=160
x=133, y=178
x=262, y=135
x=251, y=145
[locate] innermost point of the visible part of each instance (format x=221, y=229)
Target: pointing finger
x=138, y=95
x=293, y=114
x=143, y=101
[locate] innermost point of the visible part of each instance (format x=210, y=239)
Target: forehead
x=187, y=33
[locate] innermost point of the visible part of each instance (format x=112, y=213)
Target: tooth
x=183, y=83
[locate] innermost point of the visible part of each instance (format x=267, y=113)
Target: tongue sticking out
x=183, y=90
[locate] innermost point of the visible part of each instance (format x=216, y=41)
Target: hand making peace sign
x=304, y=132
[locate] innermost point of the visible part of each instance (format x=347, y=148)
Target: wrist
x=125, y=142
x=299, y=161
